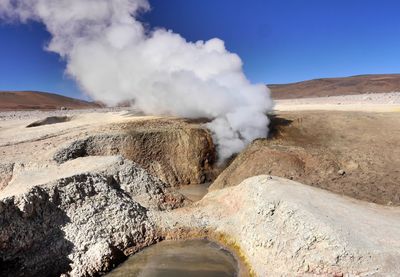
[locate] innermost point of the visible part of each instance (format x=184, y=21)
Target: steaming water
x=195, y=258
x=115, y=58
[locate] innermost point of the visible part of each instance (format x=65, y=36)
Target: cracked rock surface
x=81, y=224
x=284, y=228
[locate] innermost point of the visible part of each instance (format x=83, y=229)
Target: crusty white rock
x=285, y=228
x=80, y=223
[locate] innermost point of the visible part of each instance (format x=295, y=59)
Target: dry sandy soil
x=351, y=153
x=362, y=84
x=379, y=102
x=331, y=146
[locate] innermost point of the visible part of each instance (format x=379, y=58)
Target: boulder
x=49, y=120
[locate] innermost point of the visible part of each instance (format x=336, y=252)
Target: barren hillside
x=349, y=153
x=337, y=86
x=34, y=100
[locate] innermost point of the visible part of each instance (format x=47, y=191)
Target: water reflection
x=194, y=258
x=194, y=192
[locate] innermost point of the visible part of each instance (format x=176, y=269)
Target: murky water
x=194, y=192
x=194, y=258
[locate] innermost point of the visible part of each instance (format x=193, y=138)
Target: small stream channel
x=194, y=258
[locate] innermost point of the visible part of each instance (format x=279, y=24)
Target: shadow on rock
x=276, y=124
x=32, y=243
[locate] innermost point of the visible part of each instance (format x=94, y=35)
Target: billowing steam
x=114, y=58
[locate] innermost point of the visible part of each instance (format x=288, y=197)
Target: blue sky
x=279, y=41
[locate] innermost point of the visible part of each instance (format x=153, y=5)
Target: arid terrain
x=324, y=87
x=350, y=153
x=34, y=100
x=166, y=147
x=362, y=84
x=319, y=196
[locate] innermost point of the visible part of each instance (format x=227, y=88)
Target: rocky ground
x=81, y=191
x=284, y=228
x=81, y=221
x=349, y=153
x=389, y=98
x=373, y=102
x=7, y=116
x=175, y=150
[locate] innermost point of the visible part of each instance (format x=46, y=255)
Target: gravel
x=39, y=114
x=372, y=98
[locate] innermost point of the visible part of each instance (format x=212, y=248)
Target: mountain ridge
x=323, y=87
x=37, y=100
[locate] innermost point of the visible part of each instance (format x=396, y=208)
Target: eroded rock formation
x=284, y=228
x=176, y=152
x=81, y=224
x=6, y=173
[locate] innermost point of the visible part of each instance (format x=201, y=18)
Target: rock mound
x=176, y=152
x=49, y=120
x=284, y=228
x=314, y=148
x=81, y=224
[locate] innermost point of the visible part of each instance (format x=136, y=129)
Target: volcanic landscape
x=83, y=189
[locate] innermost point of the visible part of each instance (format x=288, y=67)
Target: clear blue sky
x=279, y=41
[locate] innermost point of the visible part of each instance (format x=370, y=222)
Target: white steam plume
x=114, y=58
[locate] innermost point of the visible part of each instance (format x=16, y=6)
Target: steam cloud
x=114, y=58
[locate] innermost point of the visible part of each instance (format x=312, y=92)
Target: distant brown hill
x=337, y=86
x=34, y=100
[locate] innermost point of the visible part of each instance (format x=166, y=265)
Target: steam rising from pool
x=115, y=58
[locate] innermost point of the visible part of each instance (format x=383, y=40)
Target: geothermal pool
x=195, y=258
x=194, y=192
